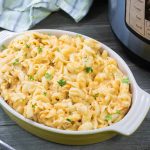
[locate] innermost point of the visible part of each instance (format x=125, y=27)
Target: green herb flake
x=33, y=106
x=3, y=47
x=48, y=76
x=108, y=117
x=95, y=96
x=88, y=69
x=40, y=50
x=69, y=120
x=27, y=46
x=16, y=62
x=125, y=80
x=31, y=78
x=61, y=82
x=44, y=93
x=118, y=111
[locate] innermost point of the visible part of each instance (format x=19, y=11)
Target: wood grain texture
x=95, y=25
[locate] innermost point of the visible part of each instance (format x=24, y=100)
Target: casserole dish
x=132, y=120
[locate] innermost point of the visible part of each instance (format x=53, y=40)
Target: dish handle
x=4, y=34
x=135, y=117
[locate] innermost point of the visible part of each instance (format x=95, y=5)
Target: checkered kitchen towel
x=20, y=15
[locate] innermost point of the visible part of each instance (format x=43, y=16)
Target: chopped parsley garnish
x=61, y=82
x=118, y=111
x=27, y=46
x=125, y=80
x=108, y=117
x=33, y=106
x=3, y=47
x=88, y=69
x=16, y=62
x=44, y=93
x=69, y=120
x=48, y=76
x=31, y=78
x=40, y=50
x=96, y=95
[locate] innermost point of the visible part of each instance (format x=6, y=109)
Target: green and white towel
x=20, y=15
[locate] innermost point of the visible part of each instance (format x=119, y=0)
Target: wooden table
x=95, y=25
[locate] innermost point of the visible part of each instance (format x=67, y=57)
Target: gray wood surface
x=95, y=25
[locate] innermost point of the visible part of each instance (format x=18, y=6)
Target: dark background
x=147, y=10
x=95, y=25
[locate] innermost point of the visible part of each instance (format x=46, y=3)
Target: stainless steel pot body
x=130, y=21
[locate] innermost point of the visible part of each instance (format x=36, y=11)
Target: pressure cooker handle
x=136, y=115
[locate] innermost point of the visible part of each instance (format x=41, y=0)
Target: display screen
x=138, y=17
x=147, y=10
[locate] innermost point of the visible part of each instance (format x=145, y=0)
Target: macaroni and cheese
x=65, y=82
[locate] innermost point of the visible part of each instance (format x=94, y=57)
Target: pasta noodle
x=65, y=82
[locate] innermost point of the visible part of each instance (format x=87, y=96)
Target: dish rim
x=113, y=54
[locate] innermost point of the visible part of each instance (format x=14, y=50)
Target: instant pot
x=130, y=21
